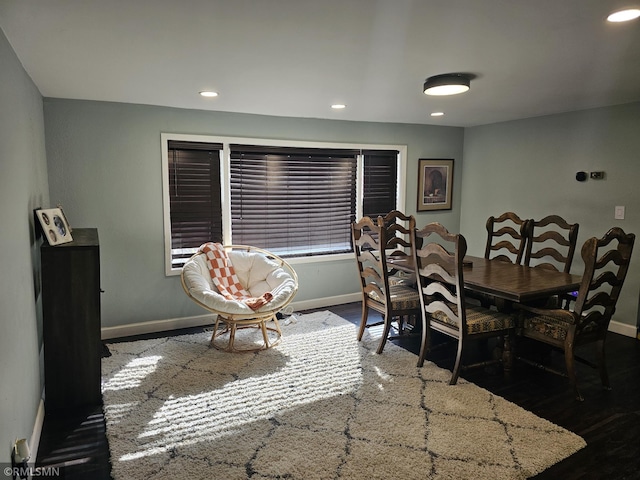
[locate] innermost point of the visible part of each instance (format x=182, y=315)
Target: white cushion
x=256, y=273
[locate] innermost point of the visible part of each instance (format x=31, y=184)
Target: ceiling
x=297, y=57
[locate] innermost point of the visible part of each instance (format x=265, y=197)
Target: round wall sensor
x=581, y=176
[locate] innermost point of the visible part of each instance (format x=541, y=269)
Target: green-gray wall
x=23, y=187
x=529, y=166
x=105, y=169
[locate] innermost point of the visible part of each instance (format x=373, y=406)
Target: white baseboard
x=156, y=326
x=623, y=329
x=326, y=301
x=34, y=442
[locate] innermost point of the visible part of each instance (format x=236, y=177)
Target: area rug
x=320, y=405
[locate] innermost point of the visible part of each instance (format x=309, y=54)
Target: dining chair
x=506, y=237
x=398, y=244
x=506, y=241
x=442, y=297
x=395, y=301
x=606, y=261
x=551, y=244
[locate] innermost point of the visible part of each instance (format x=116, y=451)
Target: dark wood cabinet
x=71, y=321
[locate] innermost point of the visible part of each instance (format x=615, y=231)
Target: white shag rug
x=318, y=406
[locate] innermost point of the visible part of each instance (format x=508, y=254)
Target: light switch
x=619, y=213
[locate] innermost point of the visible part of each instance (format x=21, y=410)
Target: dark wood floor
x=609, y=421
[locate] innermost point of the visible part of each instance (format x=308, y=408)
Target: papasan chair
x=264, y=285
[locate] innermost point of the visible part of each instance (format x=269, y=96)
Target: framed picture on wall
x=55, y=227
x=435, y=184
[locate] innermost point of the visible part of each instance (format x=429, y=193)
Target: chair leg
x=265, y=336
x=571, y=371
x=424, y=343
x=232, y=337
x=385, y=334
x=604, y=376
x=458, y=365
x=215, y=330
x=363, y=320
x=508, y=354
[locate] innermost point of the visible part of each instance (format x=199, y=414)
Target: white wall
x=104, y=167
x=529, y=166
x=23, y=187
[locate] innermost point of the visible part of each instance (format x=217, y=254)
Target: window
x=194, y=197
x=296, y=199
x=293, y=202
x=380, y=188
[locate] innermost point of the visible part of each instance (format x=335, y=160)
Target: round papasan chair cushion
x=257, y=273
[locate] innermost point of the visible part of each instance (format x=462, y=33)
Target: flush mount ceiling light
x=209, y=93
x=624, y=15
x=338, y=106
x=447, y=84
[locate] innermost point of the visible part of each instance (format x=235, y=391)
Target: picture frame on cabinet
x=54, y=224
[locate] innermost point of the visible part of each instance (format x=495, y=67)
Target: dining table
x=503, y=280
x=507, y=283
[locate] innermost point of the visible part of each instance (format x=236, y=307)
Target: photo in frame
x=435, y=184
x=55, y=227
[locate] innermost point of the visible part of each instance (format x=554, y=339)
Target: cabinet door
x=71, y=322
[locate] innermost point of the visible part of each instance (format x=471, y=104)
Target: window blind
x=194, y=196
x=380, y=182
x=293, y=201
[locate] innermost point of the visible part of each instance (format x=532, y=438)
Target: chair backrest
x=373, y=241
x=398, y=238
x=440, y=279
x=506, y=237
x=551, y=243
x=369, y=240
x=605, y=268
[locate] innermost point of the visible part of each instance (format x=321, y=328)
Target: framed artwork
x=435, y=184
x=55, y=227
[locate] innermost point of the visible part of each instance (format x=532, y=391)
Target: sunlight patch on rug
x=319, y=405
x=309, y=374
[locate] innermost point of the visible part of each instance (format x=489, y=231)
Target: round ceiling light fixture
x=447, y=84
x=209, y=93
x=624, y=15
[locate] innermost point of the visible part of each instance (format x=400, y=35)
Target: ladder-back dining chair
x=606, y=262
x=551, y=244
x=506, y=241
x=394, y=300
x=442, y=297
x=506, y=237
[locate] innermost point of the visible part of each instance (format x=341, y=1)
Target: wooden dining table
x=507, y=283
x=504, y=280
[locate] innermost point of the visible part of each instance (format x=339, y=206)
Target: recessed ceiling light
x=338, y=106
x=209, y=93
x=624, y=15
x=437, y=114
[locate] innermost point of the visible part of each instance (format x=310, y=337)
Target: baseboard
x=34, y=442
x=156, y=326
x=326, y=301
x=623, y=329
